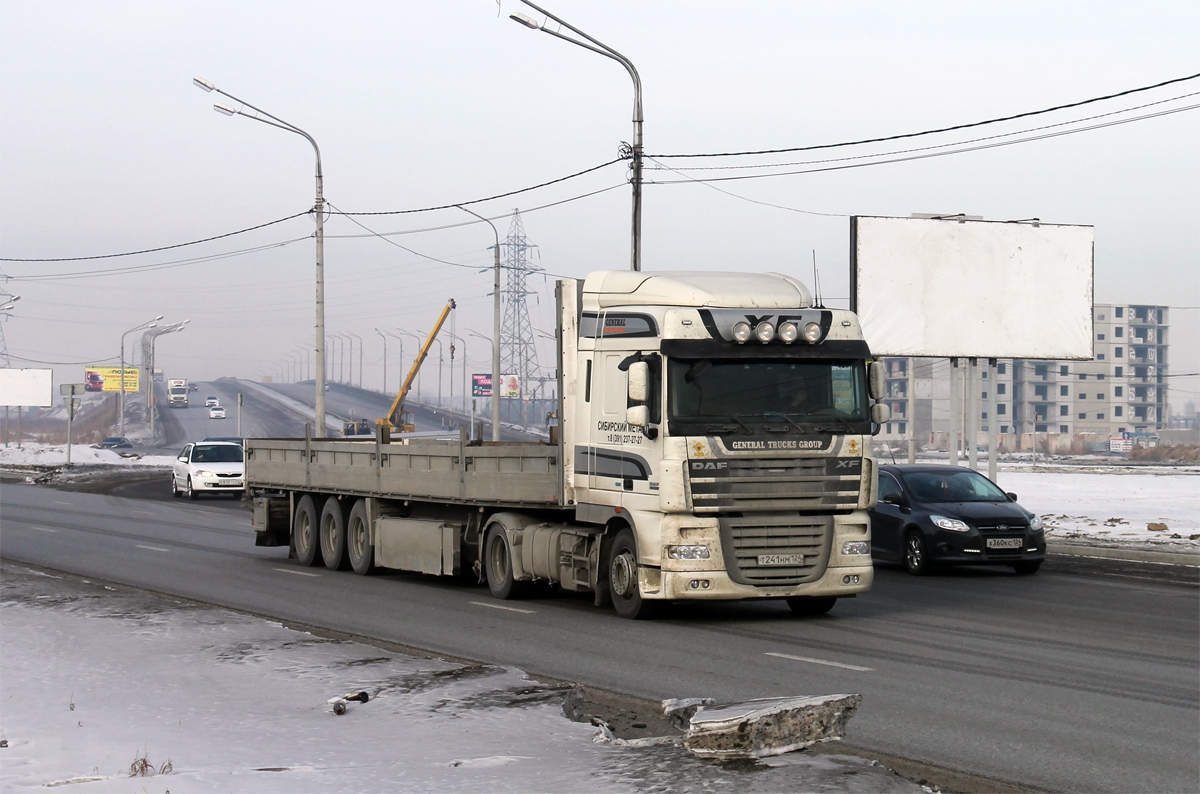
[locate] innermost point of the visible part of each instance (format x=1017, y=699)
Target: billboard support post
x=955, y=414
x=993, y=420
x=972, y=412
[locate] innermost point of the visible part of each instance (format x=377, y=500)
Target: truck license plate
x=1004, y=543
x=781, y=559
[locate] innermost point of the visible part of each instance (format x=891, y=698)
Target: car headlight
x=688, y=552
x=952, y=524
x=205, y=474
x=856, y=547
x=1035, y=524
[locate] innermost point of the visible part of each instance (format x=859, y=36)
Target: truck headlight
x=688, y=552
x=788, y=332
x=856, y=547
x=812, y=332
x=764, y=331
x=952, y=524
x=741, y=332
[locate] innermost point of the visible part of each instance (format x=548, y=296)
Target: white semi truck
x=713, y=442
x=177, y=392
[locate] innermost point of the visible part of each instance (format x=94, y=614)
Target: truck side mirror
x=875, y=380
x=880, y=413
x=639, y=382
x=637, y=415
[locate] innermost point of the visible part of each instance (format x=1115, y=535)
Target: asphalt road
x=260, y=416
x=1062, y=681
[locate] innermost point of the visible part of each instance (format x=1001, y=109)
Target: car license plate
x=1005, y=543
x=224, y=481
x=781, y=559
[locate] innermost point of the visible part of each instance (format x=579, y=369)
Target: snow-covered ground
x=97, y=683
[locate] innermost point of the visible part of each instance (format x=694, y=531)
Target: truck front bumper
x=717, y=586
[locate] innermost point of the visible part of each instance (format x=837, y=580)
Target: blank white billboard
x=27, y=387
x=969, y=288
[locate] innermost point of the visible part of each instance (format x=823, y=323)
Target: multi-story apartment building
x=1122, y=390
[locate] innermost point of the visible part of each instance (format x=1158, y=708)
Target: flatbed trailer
x=681, y=467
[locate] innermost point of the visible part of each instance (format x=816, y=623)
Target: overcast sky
x=106, y=147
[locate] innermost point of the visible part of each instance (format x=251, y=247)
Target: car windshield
x=217, y=453
x=954, y=486
x=714, y=390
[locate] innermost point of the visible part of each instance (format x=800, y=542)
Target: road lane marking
x=152, y=548
x=822, y=661
x=45, y=529
x=68, y=504
x=142, y=513
x=507, y=609
x=297, y=573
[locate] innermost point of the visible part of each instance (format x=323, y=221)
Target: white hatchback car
x=209, y=467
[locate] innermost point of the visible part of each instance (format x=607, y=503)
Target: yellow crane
x=396, y=413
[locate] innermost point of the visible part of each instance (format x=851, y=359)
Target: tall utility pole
x=518, y=351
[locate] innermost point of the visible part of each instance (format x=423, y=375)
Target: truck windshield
x=809, y=396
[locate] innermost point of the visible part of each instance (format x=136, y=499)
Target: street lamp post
x=495, y=327
x=399, y=339
x=142, y=327
x=149, y=337
x=360, y=357
x=636, y=150
x=384, y=338
x=319, y=212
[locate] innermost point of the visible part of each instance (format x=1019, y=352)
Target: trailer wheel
x=623, y=579
x=333, y=535
x=304, y=532
x=358, y=539
x=497, y=562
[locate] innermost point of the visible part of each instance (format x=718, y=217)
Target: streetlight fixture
x=495, y=325
x=142, y=327
x=318, y=211
x=636, y=150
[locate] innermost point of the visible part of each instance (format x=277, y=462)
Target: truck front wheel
x=304, y=532
x=497, y=556
x=623, y=579
x=358, y=539
x=333, y=535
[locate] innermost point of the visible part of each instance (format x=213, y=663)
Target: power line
x=927, y=155
x=492, y=198
x=160, y=248
x=937, y=131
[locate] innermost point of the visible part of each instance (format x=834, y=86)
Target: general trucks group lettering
x=772, y=444
x=620, y=432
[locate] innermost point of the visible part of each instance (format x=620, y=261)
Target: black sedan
x=114, y=442
x=929, y=515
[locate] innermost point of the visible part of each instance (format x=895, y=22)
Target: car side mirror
x=1011, y=496
x=894, y=499
x=182, y=459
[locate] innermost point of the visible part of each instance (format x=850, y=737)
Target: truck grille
x=746, y=539
x=744, y=484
